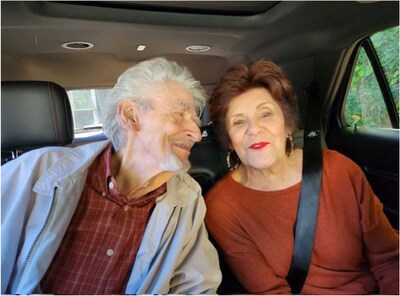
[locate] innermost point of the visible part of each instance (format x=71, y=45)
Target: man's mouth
x=258, y=146
x=184, y=146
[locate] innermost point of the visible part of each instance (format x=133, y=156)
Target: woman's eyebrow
x=235, y=115
x=263, y=104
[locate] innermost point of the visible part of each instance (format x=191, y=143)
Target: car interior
x=49, y=48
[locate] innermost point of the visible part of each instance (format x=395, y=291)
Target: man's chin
x=176, y=165
x=185, y=166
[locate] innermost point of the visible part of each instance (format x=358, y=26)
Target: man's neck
x=136, y=178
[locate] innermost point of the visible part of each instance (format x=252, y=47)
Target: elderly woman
x=252, y=211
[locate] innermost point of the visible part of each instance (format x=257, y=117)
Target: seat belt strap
x=309, y=195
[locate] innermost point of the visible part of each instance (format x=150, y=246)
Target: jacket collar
x=74, y=161
x=181, y=189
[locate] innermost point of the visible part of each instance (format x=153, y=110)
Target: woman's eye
x=238, y=122
x=265, y=114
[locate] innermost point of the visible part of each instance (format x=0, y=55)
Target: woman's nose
x=254, y=127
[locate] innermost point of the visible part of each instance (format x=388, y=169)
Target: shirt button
x=111, y=185
x=110, y=252
x=126, y=208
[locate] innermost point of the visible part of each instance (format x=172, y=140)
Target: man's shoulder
x=187, y=180
x=183, y=190
x=48, y=154
x=43, y=158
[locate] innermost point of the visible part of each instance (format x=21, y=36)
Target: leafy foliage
x=365, y=105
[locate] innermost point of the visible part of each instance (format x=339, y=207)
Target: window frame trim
x=382, y=81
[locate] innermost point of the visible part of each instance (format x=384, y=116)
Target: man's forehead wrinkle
x=184, y=105
x=176, y=105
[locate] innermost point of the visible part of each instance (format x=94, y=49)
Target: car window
x=386, y=44
x=373, y=93
x=86, y=110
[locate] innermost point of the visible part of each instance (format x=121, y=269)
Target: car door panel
x=376, y=151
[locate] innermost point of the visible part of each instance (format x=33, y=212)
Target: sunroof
x=196, y=7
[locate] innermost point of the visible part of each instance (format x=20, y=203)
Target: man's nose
x=192, y=130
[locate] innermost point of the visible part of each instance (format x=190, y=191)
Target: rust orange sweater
x=355, y=249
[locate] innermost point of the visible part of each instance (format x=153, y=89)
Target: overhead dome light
x=198, y=48
x=77, y=45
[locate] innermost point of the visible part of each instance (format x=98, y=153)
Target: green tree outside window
x=365, y=105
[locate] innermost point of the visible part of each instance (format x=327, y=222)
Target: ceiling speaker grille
x=77, y=45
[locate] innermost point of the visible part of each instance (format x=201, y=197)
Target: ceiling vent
x=198, y=48
x=77, y=45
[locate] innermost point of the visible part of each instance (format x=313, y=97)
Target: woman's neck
x=283, y=174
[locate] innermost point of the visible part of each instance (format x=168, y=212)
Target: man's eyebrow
x=185, y=106
x=198, y=121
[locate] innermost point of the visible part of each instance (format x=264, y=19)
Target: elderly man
x=114, y=217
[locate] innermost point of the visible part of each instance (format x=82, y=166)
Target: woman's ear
x=288, y=128
x=127, y=112
x=289, y=131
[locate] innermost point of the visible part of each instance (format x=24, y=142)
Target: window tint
x=386, y=44
x=366, y=104
x=86, y=109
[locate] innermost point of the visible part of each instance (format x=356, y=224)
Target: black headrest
x=34, y=114
x=207, y=160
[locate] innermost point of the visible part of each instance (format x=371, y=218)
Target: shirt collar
x=101, y=179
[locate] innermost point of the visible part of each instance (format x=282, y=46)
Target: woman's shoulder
x=223, y=190
x=338, y=162
x=220, y=186
x=333, y=156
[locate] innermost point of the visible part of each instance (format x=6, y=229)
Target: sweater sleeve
x=238, y=249
x=381, y=241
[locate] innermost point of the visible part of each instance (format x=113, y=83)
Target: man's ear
x=127, y=112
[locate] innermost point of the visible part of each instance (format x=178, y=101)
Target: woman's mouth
x=258, y=146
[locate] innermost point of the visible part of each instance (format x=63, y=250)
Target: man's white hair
x=141, y=82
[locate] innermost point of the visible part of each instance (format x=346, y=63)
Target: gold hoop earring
x=228, y=161
x=289, y=144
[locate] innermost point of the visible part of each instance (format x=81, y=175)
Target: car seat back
x=33, y=114
x=207, y=160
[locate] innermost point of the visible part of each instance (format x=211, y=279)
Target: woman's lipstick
x=258, y=146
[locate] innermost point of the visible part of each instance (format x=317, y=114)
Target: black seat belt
x=309, y=195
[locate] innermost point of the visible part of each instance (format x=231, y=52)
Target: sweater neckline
x=239, y=186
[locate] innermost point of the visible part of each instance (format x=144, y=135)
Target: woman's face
x=256, y=128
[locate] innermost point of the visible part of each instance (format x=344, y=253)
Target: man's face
x=169, y=128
